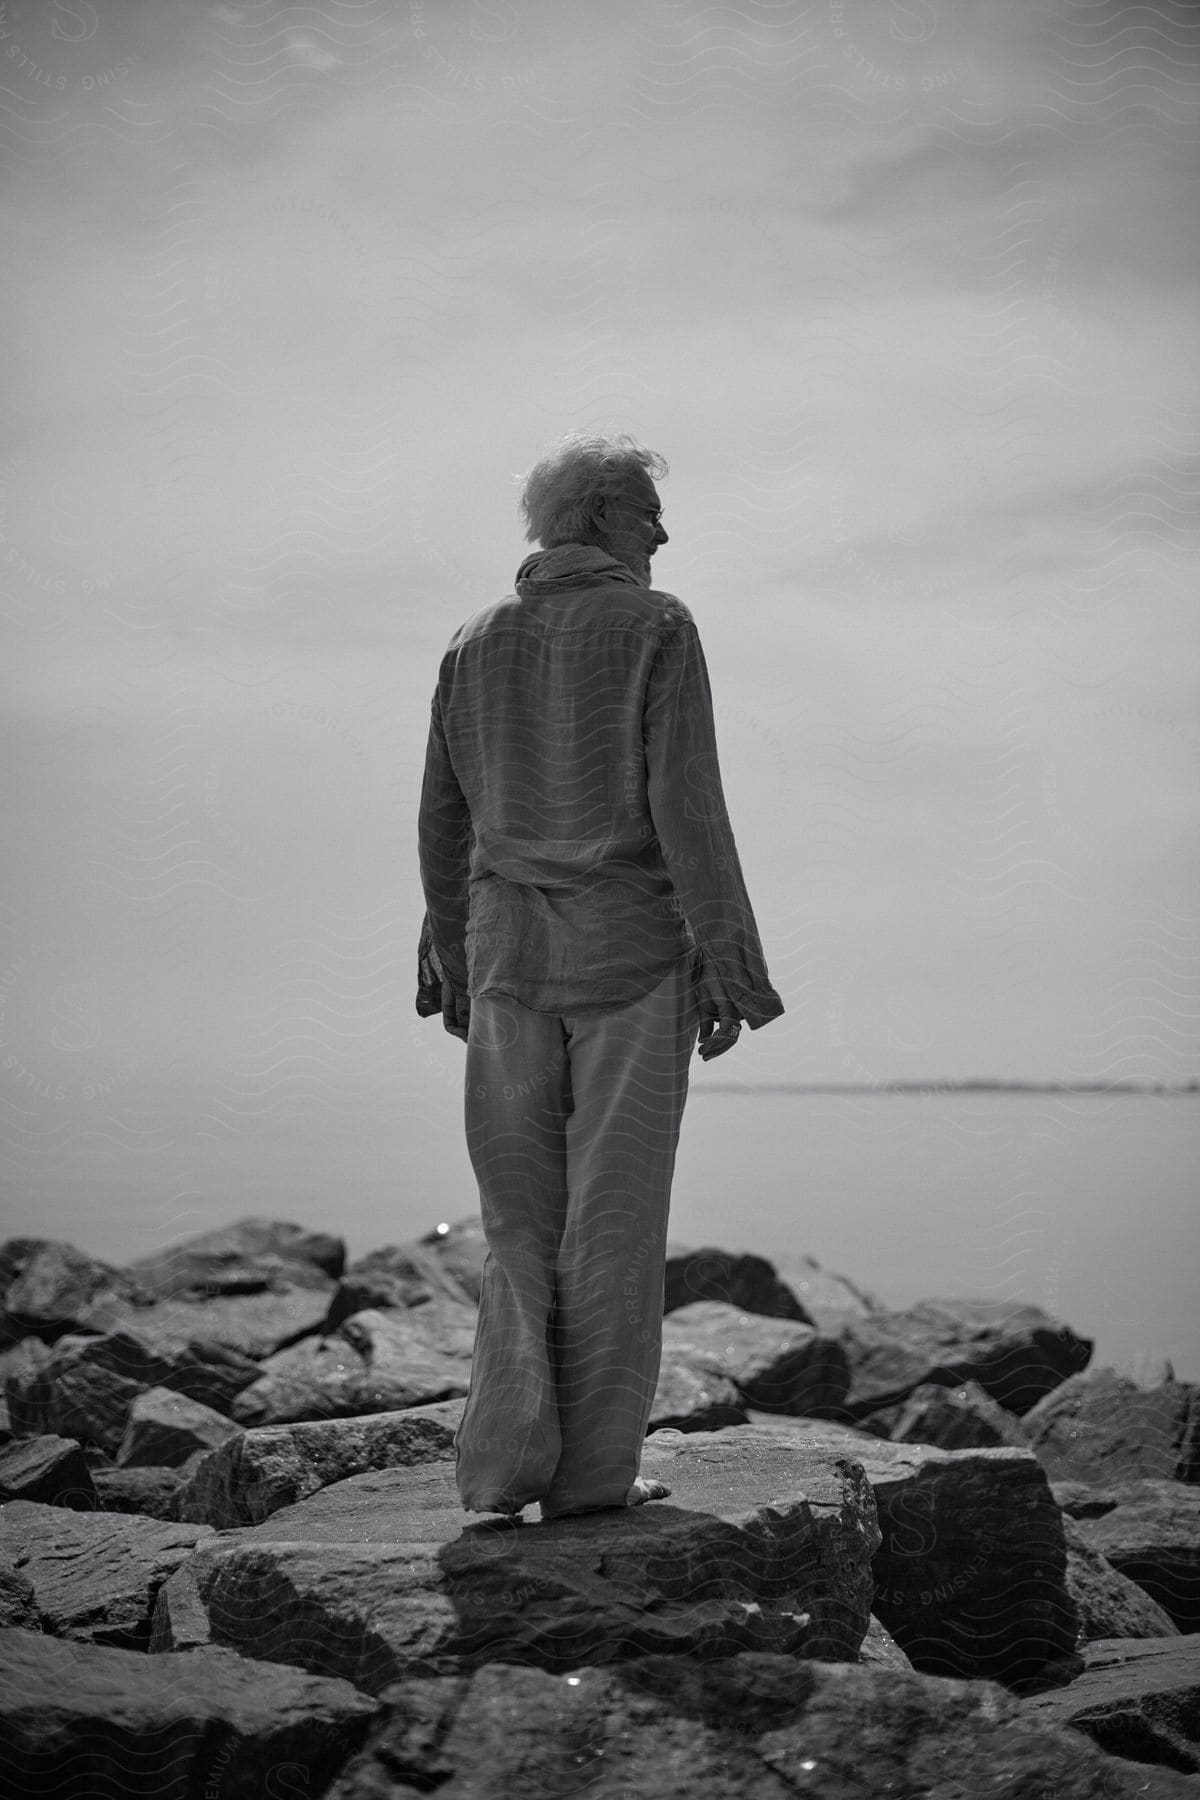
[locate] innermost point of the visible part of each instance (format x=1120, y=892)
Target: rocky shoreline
x=922, y=1553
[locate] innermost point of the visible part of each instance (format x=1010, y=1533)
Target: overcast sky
x=904, y=290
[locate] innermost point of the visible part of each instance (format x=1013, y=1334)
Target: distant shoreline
x=951, y=1087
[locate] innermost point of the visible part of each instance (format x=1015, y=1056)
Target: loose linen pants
x=572, y=1128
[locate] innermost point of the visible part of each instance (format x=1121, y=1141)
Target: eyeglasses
x=653, y=513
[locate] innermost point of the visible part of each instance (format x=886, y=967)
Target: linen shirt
x=573, y=838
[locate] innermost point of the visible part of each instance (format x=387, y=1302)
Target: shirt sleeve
x=687, y=806
x=444, y=839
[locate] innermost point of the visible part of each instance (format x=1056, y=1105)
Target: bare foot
x=645, y=1489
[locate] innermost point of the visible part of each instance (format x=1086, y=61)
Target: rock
x=87, y=1385
x=461, y=1249
x=754, y=1726
x=761, y=1545
x=374, y=1362
x=78, y=1720
x=164, y=1429
x=1101, y=1426
x=880, y=1649
x=776, y=1365
x=49, y=1469
x=272, y=1466
x=829, y=1299
x=47, y=1288
x=252, y=1256
x=252, y=1325
x=961, y=1418
x=970, y=1575
x=396, y=1275
x=692, y=1398
x=1108, y=1603
x=95, y=1575
x=152, y=1493
x=1150, y=1531
x=746, y=1282
x=19, y=1360
x=18, y=1602
x=1137, y=1698
x=1016, y=1353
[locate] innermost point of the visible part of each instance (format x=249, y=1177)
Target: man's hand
x=720, y=1025
x=456, y=1011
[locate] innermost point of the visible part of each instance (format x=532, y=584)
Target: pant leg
x=517, y=1095
x=629, y=1079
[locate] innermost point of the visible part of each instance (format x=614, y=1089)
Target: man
x=587, y=927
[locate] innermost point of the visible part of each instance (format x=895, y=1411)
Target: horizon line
x=969, y=1084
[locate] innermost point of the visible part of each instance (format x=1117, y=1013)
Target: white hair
x=556, y=499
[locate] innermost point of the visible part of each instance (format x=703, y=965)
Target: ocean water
x=1086, y=1205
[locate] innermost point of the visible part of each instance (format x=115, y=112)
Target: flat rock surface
x=273, y=1466
x=83, y=1722
x=747, y=1727
x=94, y=1575
x=1137, y=1697
x=256, y=1324
x=1102, y=1426
x=761, y=1544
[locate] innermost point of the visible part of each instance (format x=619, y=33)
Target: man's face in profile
x=629, y=530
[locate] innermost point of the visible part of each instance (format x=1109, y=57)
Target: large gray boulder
x=395, y=1275
x=80, y=1721
x=251, y=1256
x=374, y=1362
x=52, y=1470
x=1108, y=1603
x=735, y=1278
x=761, y=1545
x=828, y=1299
x=775, y=1364
x=48, y=1288
x=1103, y=1427
x=970, y=1575
x=693, y=1395
x=87, y=1385
x=269, y=1467
x=461, y=1249
x=150, y=1492
x=95, y=1576
x=1137, y=1698
x=163, y=1429
x=753, y=1726
x=1016, y=1353
x=954, y=1418
x=1150, y=1531
x=18, y=1602
x=252, y=1325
